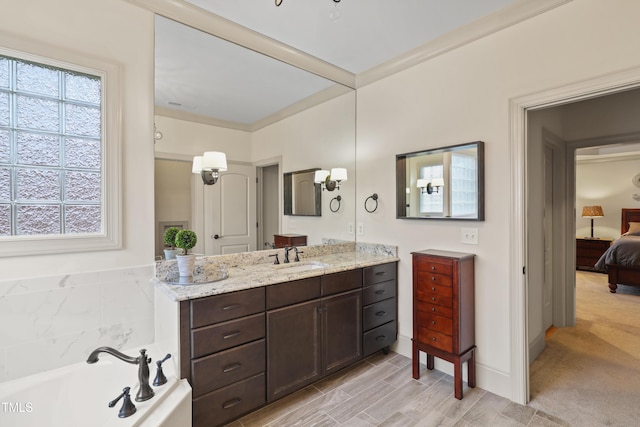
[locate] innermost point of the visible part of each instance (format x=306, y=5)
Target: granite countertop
x=243, y=274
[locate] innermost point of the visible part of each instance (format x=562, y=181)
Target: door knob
x=216, y=236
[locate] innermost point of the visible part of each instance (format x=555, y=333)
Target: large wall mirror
x=307, y=124
x=442, y=183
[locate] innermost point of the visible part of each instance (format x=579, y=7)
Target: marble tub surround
x=255, y=269
x=53, y=321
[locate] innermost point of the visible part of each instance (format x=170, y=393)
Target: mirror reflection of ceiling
x=201, y=75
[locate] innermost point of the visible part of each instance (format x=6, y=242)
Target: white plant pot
x=186, y=264
x=171, y=253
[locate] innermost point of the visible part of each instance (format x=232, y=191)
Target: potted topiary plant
x=186, y=240
x=170, y=240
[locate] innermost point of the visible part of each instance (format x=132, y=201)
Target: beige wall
x=463, y=96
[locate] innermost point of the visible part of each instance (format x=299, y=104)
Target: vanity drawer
x=427, y=278
x=378, y=292
x=379, y=313
x=222, y=336
x=380, y=273
x=435, y=339
x=224, y=368
x=436, y=323
x=379, y=338
x=220, y=406
x=434, y=309
x=433, y=265
x=219, y=308
x=288, y=293
x=341, y=282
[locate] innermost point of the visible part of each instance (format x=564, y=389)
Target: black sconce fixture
x=209, y=166
x=429, y=187
x=330, y=180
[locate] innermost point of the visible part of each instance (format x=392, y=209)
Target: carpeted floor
x=589, y=375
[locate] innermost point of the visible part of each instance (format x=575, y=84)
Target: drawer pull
x=381, y=291
x=381, y=338
x=433, y=288
x=433, y=322
x=231, y=335
x=231, y=368
x=433, y=309
x=433, y=279
x=231, y=403
x=433, y=298
x=433, y=268
x=380, y=273
x=231, y=307
x=381, y=313
x=433, y=339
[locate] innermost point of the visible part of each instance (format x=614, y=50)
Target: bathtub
x=78, y=395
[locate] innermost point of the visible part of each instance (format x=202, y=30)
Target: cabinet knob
x=433, y=298
x=433, y=322
x=433, y=309
x=433, y=288
x=433, y=268
x=433, y=278
x=433, y=339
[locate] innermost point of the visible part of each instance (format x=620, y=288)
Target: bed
x=622, y=260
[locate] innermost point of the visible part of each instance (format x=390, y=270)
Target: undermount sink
x=297, y=267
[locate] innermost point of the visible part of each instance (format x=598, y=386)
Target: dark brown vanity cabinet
x=223, y=354
x=313, y=329
x=379, y=310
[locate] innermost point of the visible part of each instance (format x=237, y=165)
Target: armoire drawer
x=434, y=309
x=435, y=339
x=436, y=323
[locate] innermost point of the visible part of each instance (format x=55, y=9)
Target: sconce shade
x=592, y=212
x=320, y=176
x=437, y=182
x=422, y=183
x=338, y=174
x=214, y=160
x=197, y=164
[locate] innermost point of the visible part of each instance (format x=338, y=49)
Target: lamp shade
x=422, y=183
x=214, y=160
x=437, y=182
x=197, y=164
x=592, y=212
x=320, y=176
x=338, y=174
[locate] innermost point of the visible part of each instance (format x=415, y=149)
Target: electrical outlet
x=360, y=228
x=350, y=225
x=469, y=236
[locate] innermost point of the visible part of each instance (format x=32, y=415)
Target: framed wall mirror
x=442, y=183
x=302, y=196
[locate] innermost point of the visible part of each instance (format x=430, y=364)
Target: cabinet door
x=293, y=348
x=341, y=330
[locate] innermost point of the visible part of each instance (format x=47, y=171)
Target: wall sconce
x=592, y=212
x=209, y=165
x=330, y=180
x=157, y=135
x=428, y=187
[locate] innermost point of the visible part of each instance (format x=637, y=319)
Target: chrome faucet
x=145, y=392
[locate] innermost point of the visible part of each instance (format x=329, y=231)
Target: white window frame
x=111, y=212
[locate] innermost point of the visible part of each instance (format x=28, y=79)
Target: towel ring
x=374, y=197
x=338, y=199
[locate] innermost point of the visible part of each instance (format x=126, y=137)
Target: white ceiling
x=213, y=78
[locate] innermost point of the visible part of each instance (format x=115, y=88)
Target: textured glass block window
x=432, y=203
x=50, y=150
x=463, y=185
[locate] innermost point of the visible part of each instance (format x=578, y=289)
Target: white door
x=229, y=212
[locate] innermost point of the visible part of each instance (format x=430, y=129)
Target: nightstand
x=589, y=251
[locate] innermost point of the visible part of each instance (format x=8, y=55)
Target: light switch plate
x=360, y=228
x=350, y=228
x=469, y=236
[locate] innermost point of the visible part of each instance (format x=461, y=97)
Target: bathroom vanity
x=269, y=330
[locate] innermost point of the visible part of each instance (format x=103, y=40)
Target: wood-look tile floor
x=379, y=391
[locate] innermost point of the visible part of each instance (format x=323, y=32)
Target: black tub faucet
x=145, y=392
